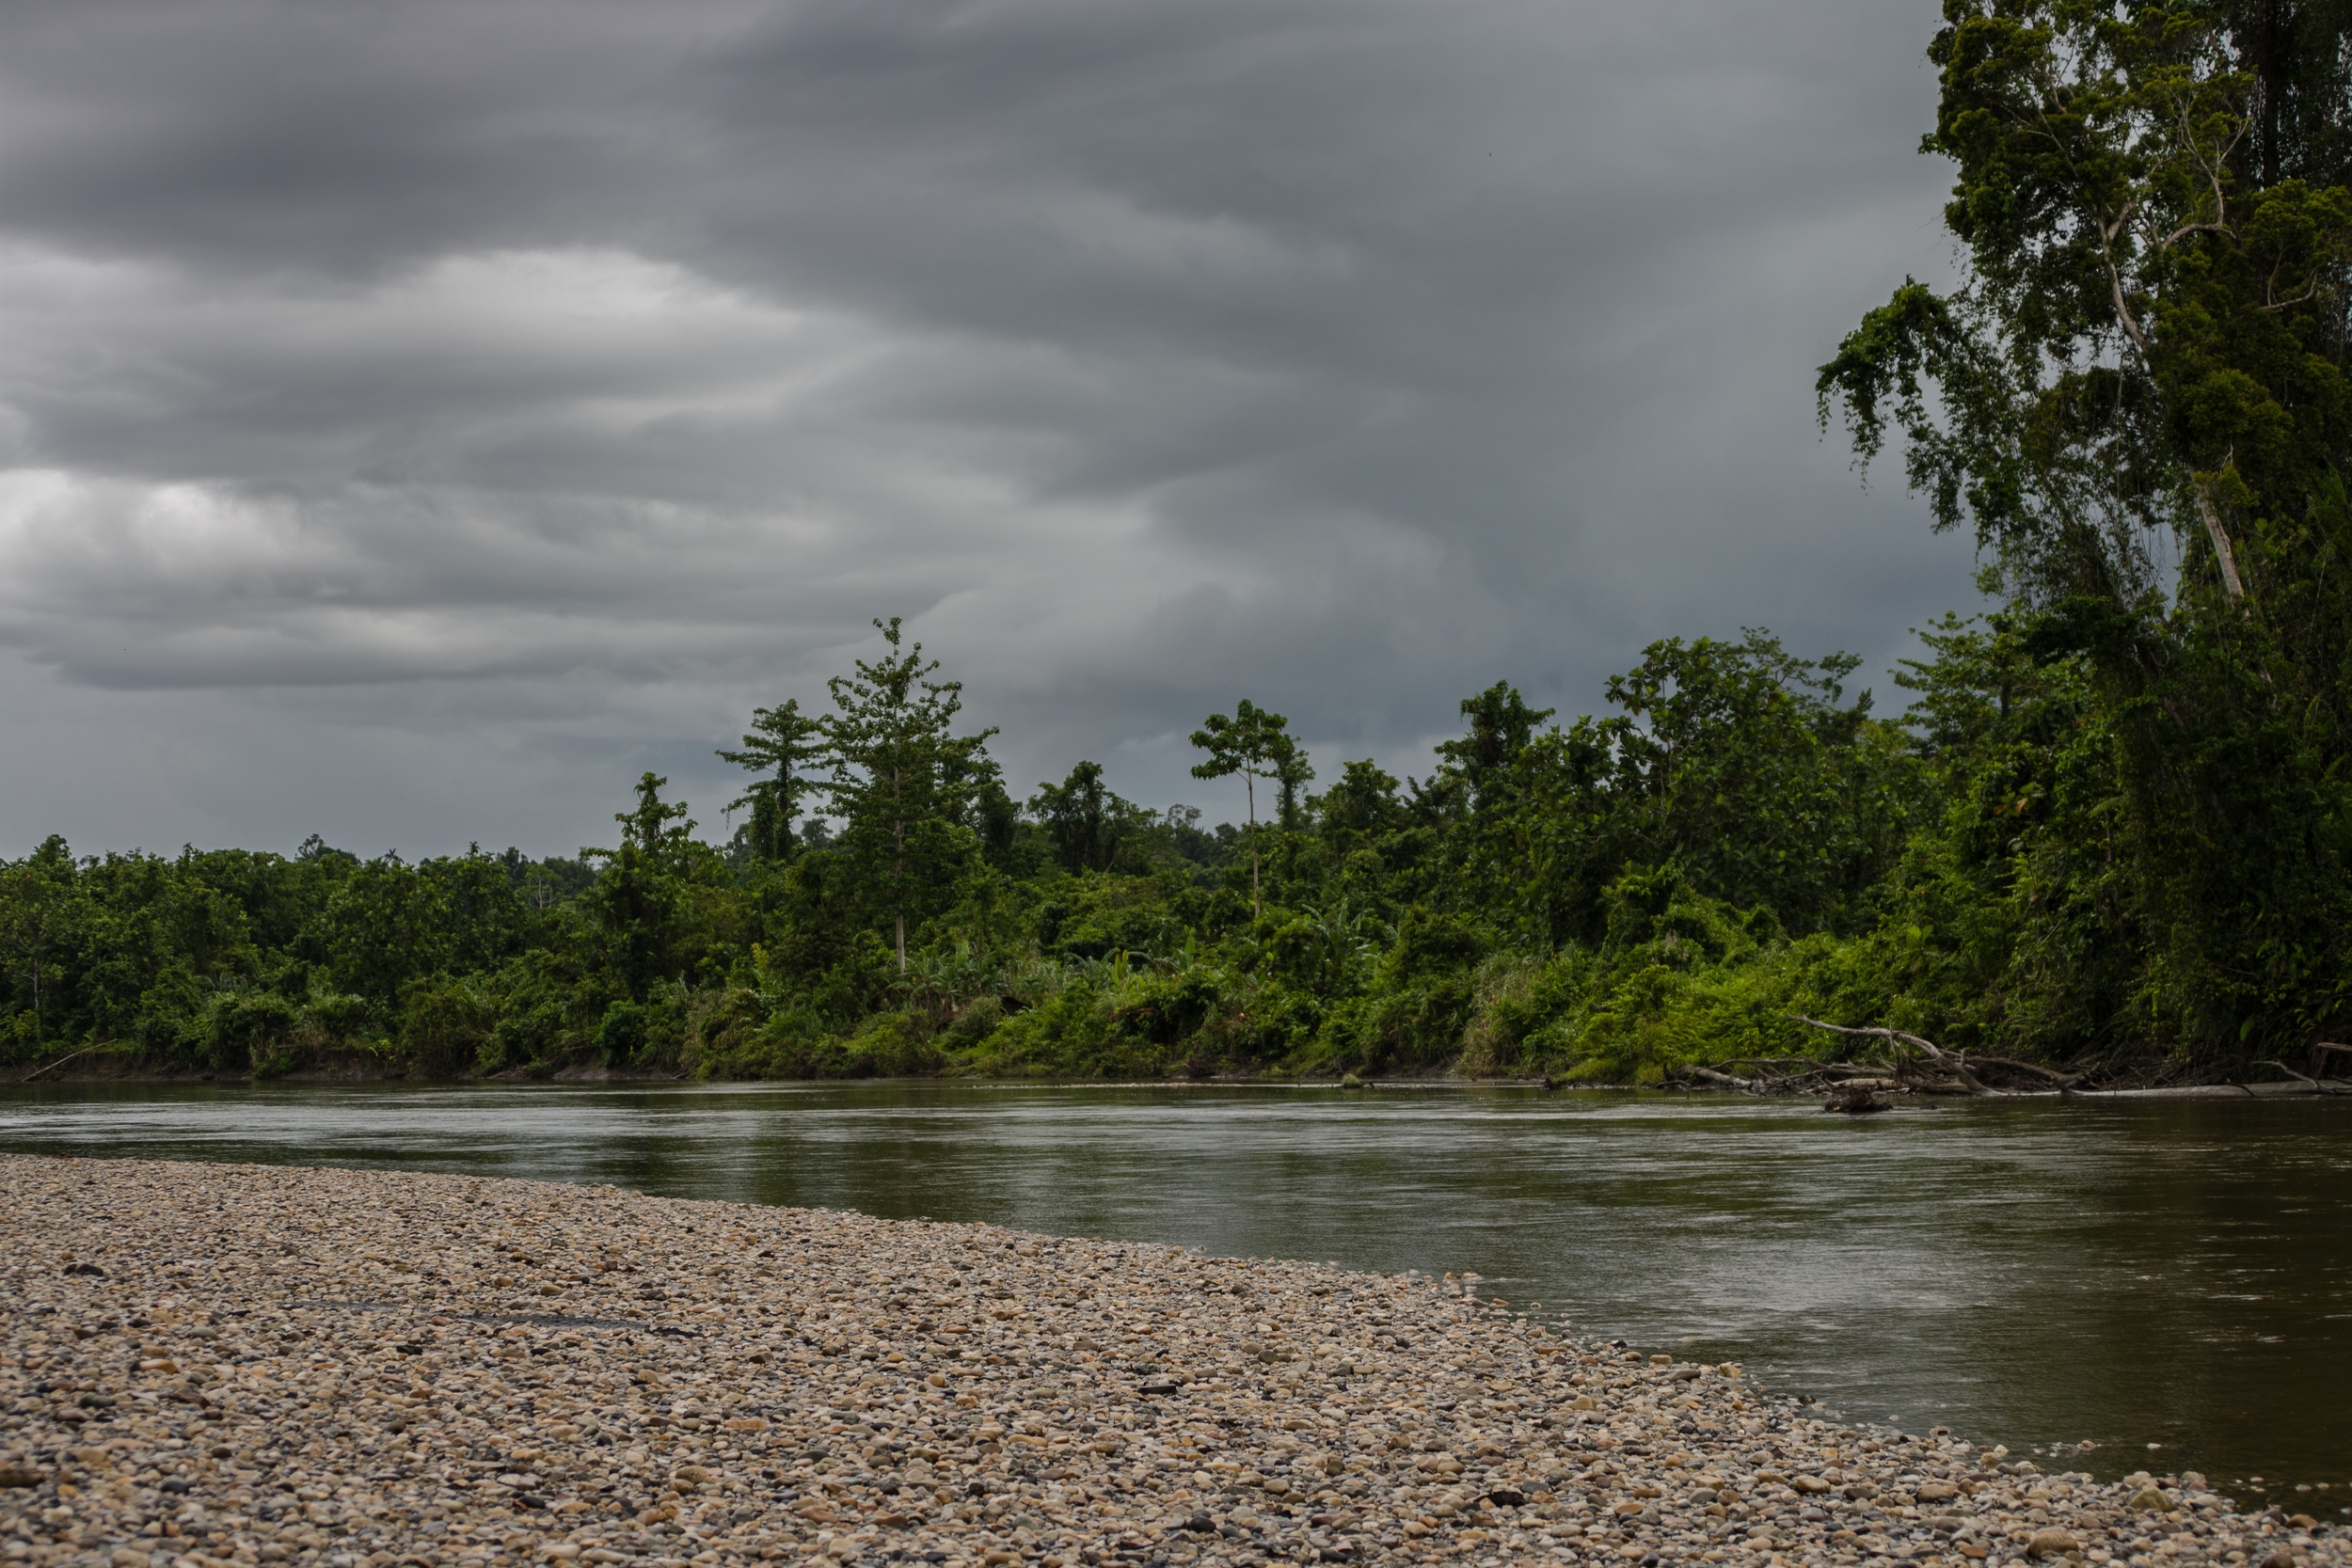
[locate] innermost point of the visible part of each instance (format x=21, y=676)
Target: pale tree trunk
x=898, y=867
x=2220, y=544
x=1249, y=783
x=32, y=946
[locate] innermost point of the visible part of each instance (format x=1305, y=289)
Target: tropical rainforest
x=2108, y=828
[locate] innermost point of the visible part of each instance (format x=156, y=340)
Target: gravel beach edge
x=209, y=1364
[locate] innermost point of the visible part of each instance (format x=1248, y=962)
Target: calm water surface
x=2126, y=1274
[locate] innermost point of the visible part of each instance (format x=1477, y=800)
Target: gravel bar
x=235, y=1364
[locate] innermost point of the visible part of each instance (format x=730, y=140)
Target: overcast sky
x=419, y=417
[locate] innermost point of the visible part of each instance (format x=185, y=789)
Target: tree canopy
x=2136, y=400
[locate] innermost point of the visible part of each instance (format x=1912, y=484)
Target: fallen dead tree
x=1906, y=1062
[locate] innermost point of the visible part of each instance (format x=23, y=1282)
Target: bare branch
x=1927, y=1046
x=1954, y=1064
x=60, y=1062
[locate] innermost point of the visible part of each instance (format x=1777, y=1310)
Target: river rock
x=2050, y=1542
x=333, y=1369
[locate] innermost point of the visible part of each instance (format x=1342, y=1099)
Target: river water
x=2166, y=1280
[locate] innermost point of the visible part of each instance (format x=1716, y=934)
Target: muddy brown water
x=2168, y=1281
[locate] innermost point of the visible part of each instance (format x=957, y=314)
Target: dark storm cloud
x=420, y=416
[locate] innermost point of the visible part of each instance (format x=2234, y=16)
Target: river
x=2165, y=1280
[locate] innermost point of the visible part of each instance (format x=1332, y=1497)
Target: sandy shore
x=207, y=1364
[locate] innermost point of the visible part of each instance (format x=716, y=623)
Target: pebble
x=207, y=1364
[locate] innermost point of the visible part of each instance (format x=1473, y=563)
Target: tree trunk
x=899, y=865
x=2220, y=545
x=1257, y=906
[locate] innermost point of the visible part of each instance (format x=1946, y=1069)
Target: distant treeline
x=2115, y=823
x=1735, y=844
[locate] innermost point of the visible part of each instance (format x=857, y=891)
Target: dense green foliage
x=2137, y=398
x=1608, y=897
x=2114, y=823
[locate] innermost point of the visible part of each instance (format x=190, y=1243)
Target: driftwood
x=60, y=1062
x=1958, y=1064
x=1954, y=1066
x=1874, y=1031
x=2063, y=1080
x=1795, y=1074
x=2318, y=1087
x=1919, y=1066
x=1913, y=1063
x=1854, y=1099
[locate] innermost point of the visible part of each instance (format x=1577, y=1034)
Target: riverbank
x=361, y=1067
x=212, y=1363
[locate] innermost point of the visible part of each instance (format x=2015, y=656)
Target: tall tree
x=1292, y=773
x=1500, y=726
x=902, y=781
x=36, y=905
x=658, y=829
x=1252, y=743
x=1083, y=820
x=2302, y=89
x=637, y=899
x=2144, y=363
x=785, y=744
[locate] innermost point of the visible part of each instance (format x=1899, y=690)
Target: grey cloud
x=548, y=383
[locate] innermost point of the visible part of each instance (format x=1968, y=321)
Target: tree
x=788, y=744
x=36, y=904
x=2145, y=334
x=1291, y=775
x=637, y=897
x=902, y=781
x=2145, y=363
x=646, y=828
x=1742, y=763
x=1083, y=820
x=1500, y=726
x=382, y=928
x=1363, y=802
x=1091, y=829
x=1252, y=744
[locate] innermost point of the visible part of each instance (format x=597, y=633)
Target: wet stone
x=207, y=1364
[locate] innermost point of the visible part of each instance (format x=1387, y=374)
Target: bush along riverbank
x=209, y=1365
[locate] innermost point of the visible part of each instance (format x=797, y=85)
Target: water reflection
x=2165, y=1272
